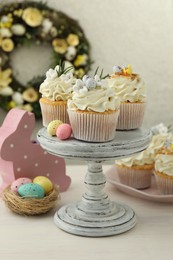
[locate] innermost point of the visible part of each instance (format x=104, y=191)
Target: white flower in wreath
x=4, y=19
x=53, y=31
x=71, y=53
x=5, y=33
x=17, y=98
x=6, y=91
x=18, y=29
x=47, y=25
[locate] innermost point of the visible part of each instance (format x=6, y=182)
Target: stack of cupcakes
x=136, y=171
x=94, y=106
x=131, y=90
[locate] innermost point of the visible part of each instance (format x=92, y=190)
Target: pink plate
x=151, y=193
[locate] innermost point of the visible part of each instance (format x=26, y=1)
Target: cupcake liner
x=53, y=111
x=164, y=183
x=136, y=178
x=93, y=127
x=131, y=115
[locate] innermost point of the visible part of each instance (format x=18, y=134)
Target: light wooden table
x=37, y=238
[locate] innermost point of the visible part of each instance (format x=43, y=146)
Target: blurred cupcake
x=164, y=169
x=56, y=90
x=93, y=110
x=130, y=88
x=136, y=171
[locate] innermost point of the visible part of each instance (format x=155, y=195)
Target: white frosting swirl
x=57, y=88
x=148, y=155
x=98, y=100
x=164, y=163
x=137, y=159
x=128, y=88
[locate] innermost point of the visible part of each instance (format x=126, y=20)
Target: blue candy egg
x=90, y=83
x=31, y=190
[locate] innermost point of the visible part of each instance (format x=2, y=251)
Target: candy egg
x=117, y=69
x=17, y=183
x=31, y=190
x=44, y=182
x=52, y=126
x=64, y=131
x=90, y=83
x=85, y=77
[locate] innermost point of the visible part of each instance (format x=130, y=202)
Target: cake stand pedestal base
x=95, y=215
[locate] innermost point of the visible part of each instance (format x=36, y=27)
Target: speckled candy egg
x=64, y=131
x=44, y=182
x=52, y=127
x=31, y=190
x=17, y=183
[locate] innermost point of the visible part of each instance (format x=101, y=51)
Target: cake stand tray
x=95, y=215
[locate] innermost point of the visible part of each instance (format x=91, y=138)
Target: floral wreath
x=26, y=22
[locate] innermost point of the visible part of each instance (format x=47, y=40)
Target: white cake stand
x=95, y=215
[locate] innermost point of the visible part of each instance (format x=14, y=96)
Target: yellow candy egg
x=52, y=126
x=44, y=182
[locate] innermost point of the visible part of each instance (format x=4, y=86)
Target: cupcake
x=164, y=169
x=93, y=110
x=136, y=171
x=56, y=90
x=130, y=88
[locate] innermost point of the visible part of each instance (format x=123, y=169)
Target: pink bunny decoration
x=20, y=157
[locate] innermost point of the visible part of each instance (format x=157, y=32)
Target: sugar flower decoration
x=64, y=70
x=159, y=129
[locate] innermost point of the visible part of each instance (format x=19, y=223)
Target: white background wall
x=122, y=32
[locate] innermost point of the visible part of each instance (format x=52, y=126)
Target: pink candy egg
x=17, y=183
x=64, y=131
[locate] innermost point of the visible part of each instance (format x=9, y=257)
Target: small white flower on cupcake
x=51, y=74
x=159, y=129
x=58, y=84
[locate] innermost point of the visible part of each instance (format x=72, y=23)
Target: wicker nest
x=30, y=206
